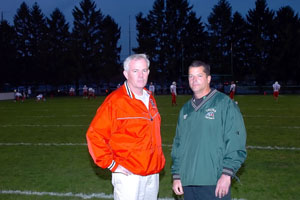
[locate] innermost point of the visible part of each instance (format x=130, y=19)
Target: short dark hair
x=198, y=63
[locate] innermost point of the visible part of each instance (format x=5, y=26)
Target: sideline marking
x=70, y=194
x=37, y=116
x=42, y=144
x=49, y=116
x=274, y=148
x=164, y=145
x=41, y=125
x=270, y=116
x=285, y=127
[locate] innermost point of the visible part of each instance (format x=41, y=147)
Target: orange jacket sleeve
x=98, y=136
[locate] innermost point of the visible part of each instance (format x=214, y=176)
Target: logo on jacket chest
x=210, y=113
x=152, y=103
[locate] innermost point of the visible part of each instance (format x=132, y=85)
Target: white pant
x=135, y=187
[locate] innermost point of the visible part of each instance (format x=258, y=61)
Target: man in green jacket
x=210, y=142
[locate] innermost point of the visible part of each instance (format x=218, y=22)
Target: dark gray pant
x=203, y=193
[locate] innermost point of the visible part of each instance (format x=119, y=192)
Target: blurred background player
x=85, y=91
x=232, y=90
x=173, y=93
x=40, y=97
x=276, y=88
x=72, y=91
x=107, y=91
x=29, y=92
x=152, y=88
x=23, y=96
x=91, y=93
x=18, y=95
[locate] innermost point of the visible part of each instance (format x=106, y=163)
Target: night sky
x=122, y=10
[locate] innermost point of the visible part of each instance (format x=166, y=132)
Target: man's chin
x=141, y=85
x=195, y=88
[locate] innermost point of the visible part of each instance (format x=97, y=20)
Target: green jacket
x=210, y=140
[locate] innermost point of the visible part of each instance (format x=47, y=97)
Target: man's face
x=198, y=80
x=137, y=75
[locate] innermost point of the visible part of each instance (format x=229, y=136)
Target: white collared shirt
x=144, y=98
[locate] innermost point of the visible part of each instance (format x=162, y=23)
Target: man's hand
x=177, y=187
x=123, y=170
x=223, y=185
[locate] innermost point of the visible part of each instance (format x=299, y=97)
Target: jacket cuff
x=176, y=177
x=113, y=166
x=228, y=172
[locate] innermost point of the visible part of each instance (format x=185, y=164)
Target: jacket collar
x=130, y=94
x=196, y=107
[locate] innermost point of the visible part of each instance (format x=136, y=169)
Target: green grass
x=266, y=174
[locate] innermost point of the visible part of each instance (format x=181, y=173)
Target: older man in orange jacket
x=124, y=136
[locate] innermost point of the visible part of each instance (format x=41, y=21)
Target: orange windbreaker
x=125, y=132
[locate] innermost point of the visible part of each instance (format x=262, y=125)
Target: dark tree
x=286, y=54
x=177, y=16
x=239, y=58
x=22, y=25
x=261, y=40
x=146, y=42
x=219, y=27
x=58, y=37
x=172, y=36
x=38, y=50
x=152, y=38
x=87, y=38
x=111, y=51
x=195, y=43
x=38, y=44
x=8, y=54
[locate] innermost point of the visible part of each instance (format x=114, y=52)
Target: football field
x=43, y=152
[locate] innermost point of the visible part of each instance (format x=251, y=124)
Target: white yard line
x=276, y=109
x=285, y=127
x=164, y=145
x=42, y=144
x=274, y=148
x=270, y=116
x=42, y=125
x=48, y=116
x=70, y=194
x=81, y=116
x=37, y=116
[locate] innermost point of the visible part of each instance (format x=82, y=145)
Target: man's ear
x=125, y=73
x=209, y=78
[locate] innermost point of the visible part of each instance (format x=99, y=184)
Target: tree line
x=41, y=50
x=262, y=46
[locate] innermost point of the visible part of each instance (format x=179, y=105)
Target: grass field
x=43, y=152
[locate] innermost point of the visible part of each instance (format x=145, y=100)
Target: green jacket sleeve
x=175, y=154
x=235, y=138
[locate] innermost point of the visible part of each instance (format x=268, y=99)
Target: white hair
x=135, y=57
